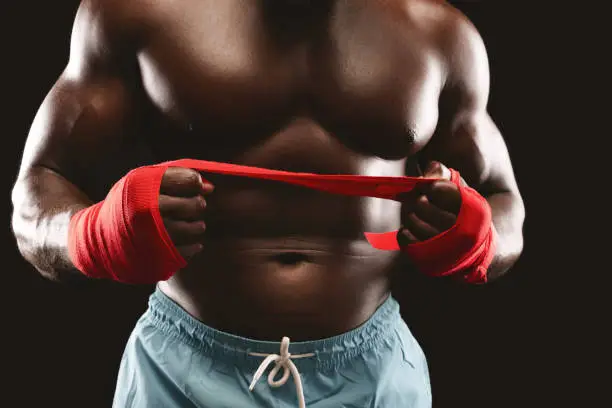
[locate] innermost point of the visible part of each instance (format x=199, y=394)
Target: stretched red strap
x=362, y=186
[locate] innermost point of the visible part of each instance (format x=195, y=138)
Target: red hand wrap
x=464, y=251
x=123, y=237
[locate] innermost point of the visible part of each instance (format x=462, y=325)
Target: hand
x=182, y=205
x=430, y=210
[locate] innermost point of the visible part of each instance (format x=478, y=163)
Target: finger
x=182, y=182
x=409, y=199
x=181, y=208
x=405, y=237
x=189, y=251
x=445, y=195
x=419, y=228
x=435, y=169
x=185, y=232
x=433, y=215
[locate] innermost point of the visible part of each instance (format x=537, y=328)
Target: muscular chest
x=355, y=78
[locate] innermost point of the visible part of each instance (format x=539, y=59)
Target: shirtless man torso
x=363, y=87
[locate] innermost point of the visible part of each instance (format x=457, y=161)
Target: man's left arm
x=468, y=141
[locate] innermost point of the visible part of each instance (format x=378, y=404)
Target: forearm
x=43, y=204
x=508, y=215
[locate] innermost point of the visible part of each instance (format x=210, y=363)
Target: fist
x=431, y=210
x=181, y=205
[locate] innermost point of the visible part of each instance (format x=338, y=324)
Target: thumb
x=183, y=182
x=435, y=169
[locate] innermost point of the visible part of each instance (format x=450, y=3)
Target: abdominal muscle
x=295, y=266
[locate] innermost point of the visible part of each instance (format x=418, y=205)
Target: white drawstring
x=281, y=361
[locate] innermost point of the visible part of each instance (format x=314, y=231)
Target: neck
x=298, y=9
x=294, y=19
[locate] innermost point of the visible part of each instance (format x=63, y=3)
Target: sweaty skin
x=330, y=86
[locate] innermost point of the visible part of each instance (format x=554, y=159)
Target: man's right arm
x=83, y=118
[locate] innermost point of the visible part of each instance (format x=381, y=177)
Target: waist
x=302, y=288
x=328, y=352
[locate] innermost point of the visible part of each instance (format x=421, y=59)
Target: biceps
x=78, y=124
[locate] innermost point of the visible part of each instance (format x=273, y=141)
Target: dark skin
x=385, y=88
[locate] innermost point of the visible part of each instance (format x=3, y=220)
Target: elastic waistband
x=329, y=353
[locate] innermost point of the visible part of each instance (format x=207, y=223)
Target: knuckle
x=192, y=177
x=170, y=173
x=439, y=190
x=199, y=203
x=197, y=228
x=422, y=201
x=438, y=185
x=166, y=205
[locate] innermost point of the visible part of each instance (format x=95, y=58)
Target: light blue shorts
x=173, y=360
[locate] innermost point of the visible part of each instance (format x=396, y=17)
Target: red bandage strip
x=124, y=238
x=362, y=186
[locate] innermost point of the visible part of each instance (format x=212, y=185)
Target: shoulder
x=100, y=15
x=462, y=49
x=450, y=35
x=104, y=31
x=110, y=20
x=443, y=22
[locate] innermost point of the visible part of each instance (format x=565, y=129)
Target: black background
x=495, y=346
